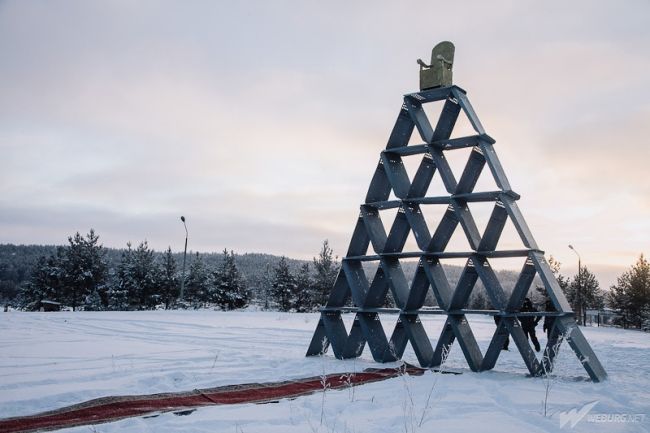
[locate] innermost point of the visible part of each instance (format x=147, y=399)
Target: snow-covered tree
x=118, y=293
x=138, y=276
x=46, y=280
x=93, y=302
x=284, y=286
x=168, y=283
x=326, y=267
x=266, y=284
x=630, y=296
x=590, y=295
x=479, y=301
x=197, y=285
x=229, y=289
x=84, y=268
x=305, y=299
x=145, y=276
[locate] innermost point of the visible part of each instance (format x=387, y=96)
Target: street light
x=579, y=288
x=184, y=257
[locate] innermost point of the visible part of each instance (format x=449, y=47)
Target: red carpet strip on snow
x=108, y=409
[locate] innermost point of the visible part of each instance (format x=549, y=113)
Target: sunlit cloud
x=263, y=122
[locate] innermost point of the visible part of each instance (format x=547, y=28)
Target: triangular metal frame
x=368, y=298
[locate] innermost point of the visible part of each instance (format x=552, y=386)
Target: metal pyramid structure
x=388, y=250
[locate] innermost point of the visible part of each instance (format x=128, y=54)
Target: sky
x=262, y=121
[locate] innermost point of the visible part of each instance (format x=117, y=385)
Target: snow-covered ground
x=49, y=360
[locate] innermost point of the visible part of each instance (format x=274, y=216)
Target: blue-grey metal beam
x=439, y=311
x=493, y=162
x=388, y=250
x=396, y=173
x=402, y=131
x=443, y=346
x=398, y=234
x=420, y=119
x=380, y=188
x=472, y=172
x=553, y=288
x=465, y=337
x=377, y=291
x=360, y=239
x=419, y=289
x=490, y=281
x=418, y=224
x=336, y=332
x=494, y=227
x=496, y=346
x=462, y=142
x=340, y=293
x=526, y=277
x=483, y=196
x=469, y=111
x=438, y=281
x=355, y=342
x=519, y=222
x=375, y=335
x=502, y=254
x=418, y=338
x=319, y=341
x=433, y=95
x=518, y=336
x=397, y=343
x=464, y=287
x=396, y=281
x=582, y=349
x=466, y=221
x=423, y=176
x=357, y=281
x=448, y=178
x=374, y=227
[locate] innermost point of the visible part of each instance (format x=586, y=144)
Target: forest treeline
x=85, y=275
x=30, y=273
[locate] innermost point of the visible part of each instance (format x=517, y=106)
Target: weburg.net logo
x=574, y=415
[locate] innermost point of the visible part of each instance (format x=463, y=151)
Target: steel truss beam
x=368, y=296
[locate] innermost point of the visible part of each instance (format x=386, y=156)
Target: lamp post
x=184, y=258
x=579, y=288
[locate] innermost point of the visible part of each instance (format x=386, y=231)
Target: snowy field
x=49, y=360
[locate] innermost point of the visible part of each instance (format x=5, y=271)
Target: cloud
x=242, y=233
x=262, y=122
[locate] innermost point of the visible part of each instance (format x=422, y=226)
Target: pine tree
x=229, y=289
x=145, y=276
x=93, y=302
x=267, y=285
x=478, y=301
x=590, y=294
x=284, y=286
x=197, y=285
x=561, y=279
x=119, y=293
x=45, y=282
x=85, y=268
x=304, y=299
x=168, y=284
x=326, y=268
x=630, y=296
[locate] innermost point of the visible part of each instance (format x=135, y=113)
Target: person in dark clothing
x=528, y=323
x=549, y=320
x=497, y=320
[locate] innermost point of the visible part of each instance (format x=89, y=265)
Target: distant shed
x=46, y=305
